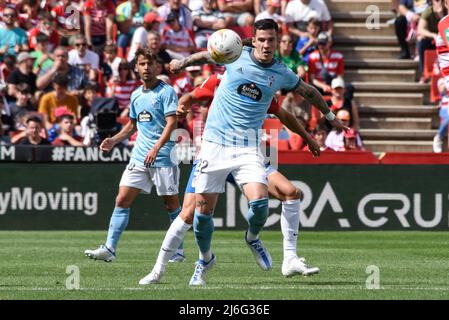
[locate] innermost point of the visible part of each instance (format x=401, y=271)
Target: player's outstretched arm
x=126, y=132
x=196, y=59
x=311, y=94
x=293, y=124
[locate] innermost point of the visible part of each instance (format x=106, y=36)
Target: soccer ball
x=224, y=46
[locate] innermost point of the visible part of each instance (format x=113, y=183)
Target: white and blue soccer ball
x=224, y=46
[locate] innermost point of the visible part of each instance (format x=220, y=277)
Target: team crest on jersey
x=271, y=80
x=250, y=90
x=144, y=116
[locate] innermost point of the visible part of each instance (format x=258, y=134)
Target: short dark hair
x=314, y=21
x=34, y=119
x=66, y=116
x=23, y=88
x=41, y=37
x=265, y=24
x=146, y=53
x=61, y=79
x=45, y=16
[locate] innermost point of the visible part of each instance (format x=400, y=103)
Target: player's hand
x=338, y=125
x=314, y=148
x=182, y=110
x=175, y=66
x=107, y=145
x=151, y=156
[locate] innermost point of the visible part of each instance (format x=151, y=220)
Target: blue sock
x=173, y=215
x=119, y=221
x=203, y=227
x=257, y=215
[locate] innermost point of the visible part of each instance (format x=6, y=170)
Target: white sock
x=290, y=227
x=205, y=256
x=172, y=240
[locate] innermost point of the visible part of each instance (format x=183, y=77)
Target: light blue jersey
x=149, y=108
x=242, y=99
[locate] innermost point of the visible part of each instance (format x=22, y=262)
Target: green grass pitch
x=411, y=265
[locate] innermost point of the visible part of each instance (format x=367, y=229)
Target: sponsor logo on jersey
x=144, y=116
x=250, y=90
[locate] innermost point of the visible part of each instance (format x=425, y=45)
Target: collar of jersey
x=148, y=90
x=262, y=64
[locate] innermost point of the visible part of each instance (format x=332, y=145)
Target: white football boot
x=263, y=257
x=102, y=253
x=297, y=266
x=152, y=278
x=201, y=268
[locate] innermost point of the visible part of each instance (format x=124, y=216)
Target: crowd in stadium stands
x=67, y=67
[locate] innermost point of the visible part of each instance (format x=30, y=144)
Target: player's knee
x=122, y=201
x=294, y=194
x=187, y=214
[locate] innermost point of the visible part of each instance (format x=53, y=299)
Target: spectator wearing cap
x=41, y=54
x=23, y=74
x=66, y=135
x=32, y=135
x=76, y=77
x=98, y=22
x=335, y=138
x=151, y=22
x=176, y=38
x=129, y=15
x=290, y=57
x=308, y=43
x=350, y=143
x=182, y=12
x=84, y=58
x=325, y=64
x=237, y=12
x=57, y=98
x=154, y=44
x=206, y=21
x=299, y=12
x=46, y=25
x=12, y=39
x=340, y=101
x=272, y=12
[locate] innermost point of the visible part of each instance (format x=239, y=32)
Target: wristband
x=330, y=116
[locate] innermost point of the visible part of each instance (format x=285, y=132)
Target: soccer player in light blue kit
x=231, y=139
x=153, y=114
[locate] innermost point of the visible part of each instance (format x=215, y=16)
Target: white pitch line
x=159, y=287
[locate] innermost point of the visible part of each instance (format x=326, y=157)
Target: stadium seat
x=272, y=124
x=430, y=57
x=434, y=94
x=243, y=32
x=296, y=142
x=283, y=145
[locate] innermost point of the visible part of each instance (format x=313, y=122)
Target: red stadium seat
x=243, y=32
x=430, y=57
x=283, y=145
x=296, y=142
x=272, y=124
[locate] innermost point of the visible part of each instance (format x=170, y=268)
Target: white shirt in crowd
x=90, y=58
x=298, y=11
x=139, y=40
